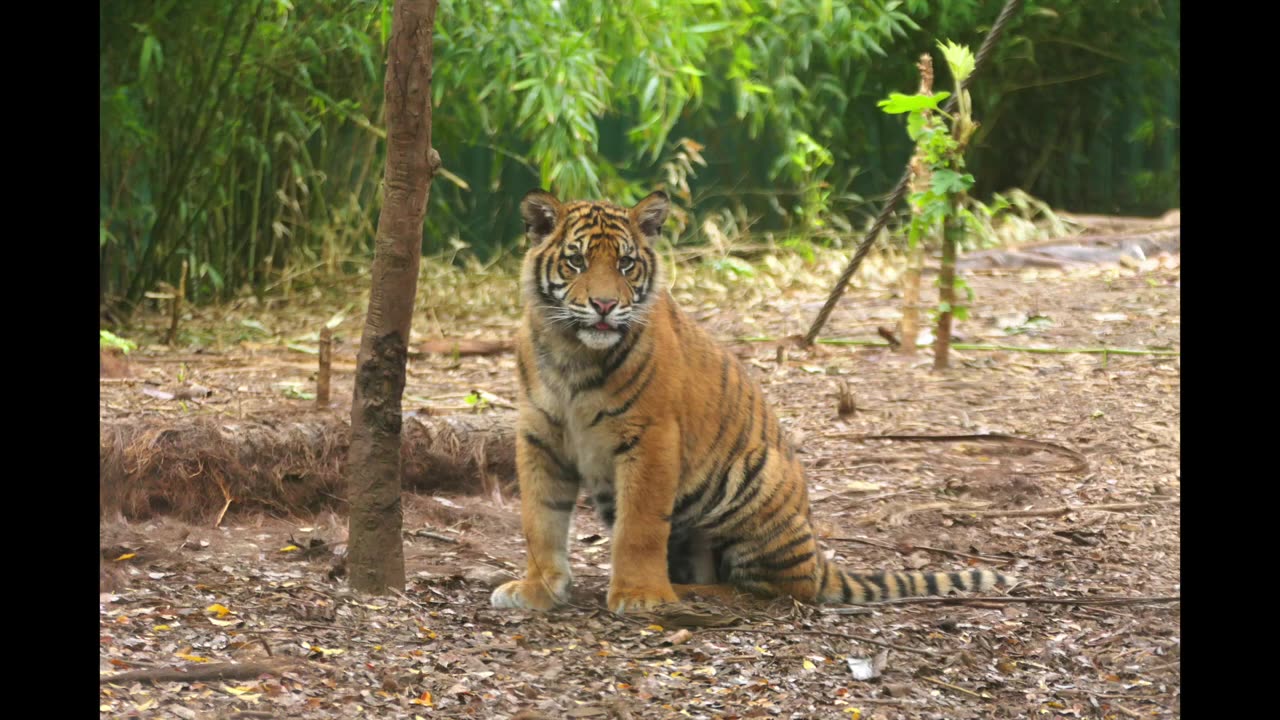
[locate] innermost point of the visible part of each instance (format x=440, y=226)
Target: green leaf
x=711, y=27
x=959, y=59
x=109, y=340
x=950, y=182
x=916, y=125
x=897, y=103
x=734, y=266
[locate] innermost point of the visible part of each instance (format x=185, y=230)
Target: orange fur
x=625, y=397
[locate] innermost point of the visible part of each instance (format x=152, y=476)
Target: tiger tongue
x=603, y=326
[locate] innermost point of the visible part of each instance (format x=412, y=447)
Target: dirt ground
x=1107, y=535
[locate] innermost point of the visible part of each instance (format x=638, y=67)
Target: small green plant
x=108, y=340
x=939, y=198
x=477, y=400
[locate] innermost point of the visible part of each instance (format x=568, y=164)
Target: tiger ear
x=541, y=213
x=651, y=212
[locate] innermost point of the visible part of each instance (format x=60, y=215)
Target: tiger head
x=592, y=271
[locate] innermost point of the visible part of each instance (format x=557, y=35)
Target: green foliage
x=897, y=103
x=246, y=136
x=939, y=159
x=110, y=341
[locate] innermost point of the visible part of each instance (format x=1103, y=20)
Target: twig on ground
x=832, y=633
x=911, y=548
x=1065, y=509
x=434, y=536
x=1080, y=463
x=957, y=688
x=972, y=346
x=201, y=671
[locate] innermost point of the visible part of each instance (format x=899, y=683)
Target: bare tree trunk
x=909, y=328
x=376, y=551
x=952, y=228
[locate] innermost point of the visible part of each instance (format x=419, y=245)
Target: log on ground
x=191, y=468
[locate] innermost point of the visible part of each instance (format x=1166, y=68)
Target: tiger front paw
x=529, y=594
x=623, y=600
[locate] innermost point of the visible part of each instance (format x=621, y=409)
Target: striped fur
x=626, y=398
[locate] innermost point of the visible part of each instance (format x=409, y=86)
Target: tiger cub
x=624, y=396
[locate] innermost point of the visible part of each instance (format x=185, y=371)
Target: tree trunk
x=952, y=227
x=909, y=328
x=375, y=549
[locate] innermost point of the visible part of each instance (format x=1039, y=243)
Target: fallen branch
x=199, y=672
x=1080, y=463
x=1065, y=509
x=434, y=536
x=831, y=633
x=970, y=346
x=463, y=347
x=957, y=688
x=913, y=548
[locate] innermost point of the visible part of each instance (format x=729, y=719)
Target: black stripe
x=777, y=565
x=905, y=587
x=749, y=483
x=769, y=578
x=614, y=360
x=625, y=406
x=735, y=452
x=761, y=522
x=629, y=443
x=822, y=584
x=782, y=550
x=560, y=505
x=731, y=458
x=931, y=583
x=568, y=473
x=696, y=494
x=846, y=592
x=544, y=281
x=528, y=393
x=878, y=580
x=688, y=501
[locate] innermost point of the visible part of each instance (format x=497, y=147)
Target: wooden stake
x=322, y=376
x=175, y=307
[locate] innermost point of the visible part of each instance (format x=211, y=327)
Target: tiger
x=624, y=396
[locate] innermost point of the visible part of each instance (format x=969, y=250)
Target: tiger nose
x=604, y=305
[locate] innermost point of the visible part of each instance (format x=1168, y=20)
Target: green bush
x=246, y=136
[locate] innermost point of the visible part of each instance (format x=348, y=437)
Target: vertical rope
x=1010, y=8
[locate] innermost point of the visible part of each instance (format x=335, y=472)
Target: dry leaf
x=679, y=637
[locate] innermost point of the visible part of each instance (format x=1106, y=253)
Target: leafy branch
x=941, y=183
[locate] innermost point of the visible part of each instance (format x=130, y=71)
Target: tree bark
x=375, y=550
x=909, y=328
x=952, y=228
